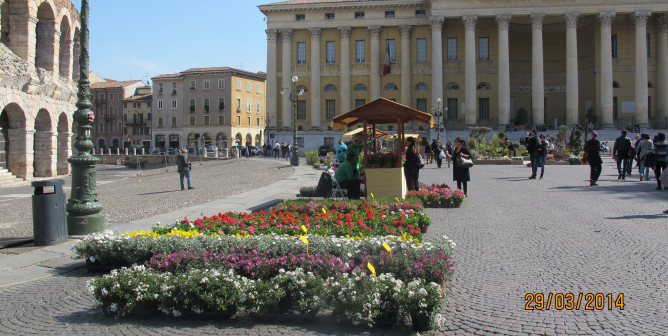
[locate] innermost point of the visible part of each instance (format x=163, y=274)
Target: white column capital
x=571, y=19
x=271, y=35
x=315, y=33
x=661, y=23
x=606, y=18
x=405, y=31
x=375, y=31
x=640, y=17
x=469, y=22
x=344, y=31
x=537, y=20
x=286, y=34
x=503, y=21
x=436, y=23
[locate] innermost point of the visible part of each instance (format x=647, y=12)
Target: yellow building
x=478, y=62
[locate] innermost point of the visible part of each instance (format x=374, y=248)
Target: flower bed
x=438, y=196
x=363, y=278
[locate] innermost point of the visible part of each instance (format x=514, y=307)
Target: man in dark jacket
x=593, y=149
x=532, y=145
x=620, y=153
x=436, y=151
x=183, y=167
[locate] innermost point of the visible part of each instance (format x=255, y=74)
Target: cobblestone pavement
x=515, y=236
x=127, y=197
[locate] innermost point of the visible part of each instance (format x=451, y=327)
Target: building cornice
x=357, y=5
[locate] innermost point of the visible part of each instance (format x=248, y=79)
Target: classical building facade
x=39, y=50
x=482, y=60
x=203, y=107
x=107, y=99
x=137, y=119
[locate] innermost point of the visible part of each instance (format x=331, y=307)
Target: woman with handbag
x=460, y=173
x=412, y=165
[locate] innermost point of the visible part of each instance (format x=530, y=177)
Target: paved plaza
x=514, y=237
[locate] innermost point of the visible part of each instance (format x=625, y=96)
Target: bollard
x=143, y=151
x=125, y=152
x=134, y=151
x=226, y=153
x=49, y=218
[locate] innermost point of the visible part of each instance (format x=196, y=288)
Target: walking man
x=593, y=148
x=532, y=145
x=183, y=167
x=620, y=153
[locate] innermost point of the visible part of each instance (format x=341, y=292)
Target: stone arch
x=258, y=141
x=101, y=144
x=65, y=52
x=115, y=143
x=221, y=140
x=207, y=140
x=43, y=161
x=45, y=36
x=191, y=140
x=14, y=134
x=238, y=139
x=64, y=140
x=249, y=139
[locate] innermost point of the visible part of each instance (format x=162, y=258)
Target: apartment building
x=137, y=119
x=107, y=99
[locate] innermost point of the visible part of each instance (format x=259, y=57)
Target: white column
x=537, y=76
x=272, y=80
x=572, y=69
x=662, y=71
x=642, y=92
x=286, y=75
x=375, y=61
x=344, y=91
x=436, y=59
x=470, y=81
x=503, y=21
x=406, y=86
x=606, y=69
x=315, y=77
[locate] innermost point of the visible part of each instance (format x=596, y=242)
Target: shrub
x=312, y=157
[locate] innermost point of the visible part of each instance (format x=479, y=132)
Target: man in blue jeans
x=184, y=166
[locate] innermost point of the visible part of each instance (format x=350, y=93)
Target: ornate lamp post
x=438, y=113
x=83, y=207
x=294, y=93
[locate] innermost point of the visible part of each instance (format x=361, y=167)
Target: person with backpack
x=183, y=167
x=660, y=155
x=644, y=148
x=620, y=153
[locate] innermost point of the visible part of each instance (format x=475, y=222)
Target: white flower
x=113, y=307
x=176, y=313
x=91, y=258
x=104, y=292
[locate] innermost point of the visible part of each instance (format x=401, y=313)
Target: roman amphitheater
x=38, y=72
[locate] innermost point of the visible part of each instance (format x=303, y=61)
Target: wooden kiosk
x=383, y=182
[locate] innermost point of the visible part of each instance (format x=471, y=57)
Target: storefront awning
x=349, y=135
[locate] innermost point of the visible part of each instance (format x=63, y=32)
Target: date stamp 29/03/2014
x=571, y=301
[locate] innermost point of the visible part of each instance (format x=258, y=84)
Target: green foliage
x=522, y=116
x=501, y=136
x=574, y=141
x=591, y=116
x=478, y=133
x=312, y=158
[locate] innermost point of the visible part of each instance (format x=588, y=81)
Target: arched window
x=360, y=87
x=390, y=87
x=421, y=86
x=330, y=88
x=452, y=86
x=101, y=126
x=484, y=86
x=615, y=84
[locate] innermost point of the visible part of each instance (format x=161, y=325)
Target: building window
x=614, y=45
x=390, y=87
x=389, y=47
x=420, y=13
x=301, y=52
x=248, y=105
x=330, y=88
x=421, y=86
x=330, y=109
x=238, y=120
x=173, y=87
x=160, y=122
x=221, y=83
x=173, y=122
x=111, y=110
x=258, y=88
x=206, y=104
x=148, y=104
x=452, y=108
x=174, y=104
x=359, y=87
x=111, y=96
x=221, y=120
x=483, y=49
x=146, y=130
x=249, y=86
x=238, y=84
x=125, y=130
x=483, y=108
x=389, y=14
x=330, y=49
x=102, y=126
x=192, y=120
x=221, y=104
x=301, y=110
x=421, y=52
x=207, y=120
x=300, y=17
x=484, y=86
x=452, y=49
x=207, y=84
x=111, y=127
x=148, y=116
x=359, y=102
x=648, y=45
x=192, y=105
x=161, y=87
x=257, y=122
x=192, y=85
x=359, y=51
x=421, y=104
x=257, y=106
x=329, y=16
x=248, y=121
x=359, y=15
x=238, y=105
x=452, y=86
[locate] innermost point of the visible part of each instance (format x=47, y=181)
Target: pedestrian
x=248, y=149
x=284, y=150
x=460, y=174
x=532, y=144
x=660, y=150
x=593, y=148
x=277, y=149
x=288, y=154
x=511, y=148
x=620, y=153
x=341, y=151
x=436, y=149
x=644, y=148
x=412, y=165
x=448, y=150
x=541, y=153
x=428, y=150
x=183, y=167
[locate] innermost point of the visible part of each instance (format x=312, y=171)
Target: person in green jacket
x=355, y=148
x=346, y=177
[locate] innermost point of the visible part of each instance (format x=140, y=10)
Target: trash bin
x=49, y=218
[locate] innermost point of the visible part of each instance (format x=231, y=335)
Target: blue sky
x=140, y=39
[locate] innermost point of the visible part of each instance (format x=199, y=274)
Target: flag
x=386, y=64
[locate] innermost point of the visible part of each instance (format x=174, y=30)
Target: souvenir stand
x=383, y=182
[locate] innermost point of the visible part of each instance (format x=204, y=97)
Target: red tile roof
x=114, y=84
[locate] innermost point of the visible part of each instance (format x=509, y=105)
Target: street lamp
x=438, y=113
x=294, y=94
